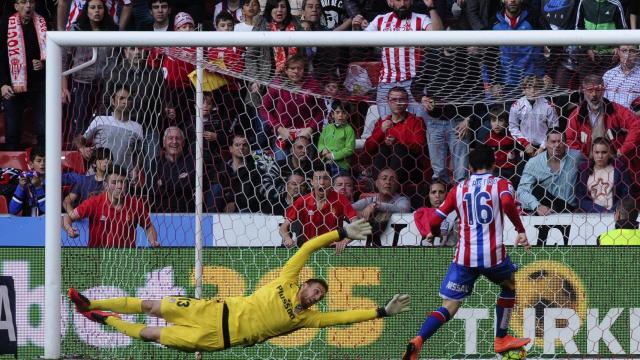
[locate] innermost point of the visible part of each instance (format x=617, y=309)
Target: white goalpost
x=54, y=68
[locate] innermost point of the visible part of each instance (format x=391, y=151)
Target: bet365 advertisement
x=573, y=301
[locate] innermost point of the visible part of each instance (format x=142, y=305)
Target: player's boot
x=99, y=316
x=81, y=301
x=509, y=343
x=413, y=349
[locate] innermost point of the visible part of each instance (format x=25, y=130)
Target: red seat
x=14, y=159
x=4, y=209
x=73, y=161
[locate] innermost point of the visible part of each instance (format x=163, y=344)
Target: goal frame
x=56, y=40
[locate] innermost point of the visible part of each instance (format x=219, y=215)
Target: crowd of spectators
x=285, y=141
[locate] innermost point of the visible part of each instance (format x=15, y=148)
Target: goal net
x=379, y=133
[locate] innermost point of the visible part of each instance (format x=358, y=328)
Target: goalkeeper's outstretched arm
x=398, y=304
x=358, y=230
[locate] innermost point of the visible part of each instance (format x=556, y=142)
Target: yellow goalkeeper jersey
x=274, y=309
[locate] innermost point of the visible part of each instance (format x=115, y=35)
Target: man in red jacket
x=399, y=139
x=599, y=117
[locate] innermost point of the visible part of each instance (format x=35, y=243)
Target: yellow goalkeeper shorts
x=195, y=324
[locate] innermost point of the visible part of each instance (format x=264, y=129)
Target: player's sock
x=433, y=322
x=130, y=329
x=123, y=305
x=504, y=308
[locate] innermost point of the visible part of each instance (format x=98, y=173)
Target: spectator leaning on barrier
x=626, y=230
x=449, y=226
x=89, y=185
x=320, y=211
x=28, y=198
x=296, y=187
x=378, y=207
x=22, y=76
x=113, y=215
x=549, y=178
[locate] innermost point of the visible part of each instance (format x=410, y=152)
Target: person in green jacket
x=626, y=231
x=338, y=140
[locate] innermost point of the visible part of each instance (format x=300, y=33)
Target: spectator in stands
x=147, y=93
x=89, y=185
x=338, y=140
x=119, y=12
x=118, y=132
x=28, y=198
x=368, y=9
x=517, y=61
x=504, y=146
x=563, y=62
x=242, y=193
x=531, y=116
x=343, y=184
x=176, y=70
x=231, y=7
x=160, y=11
x=250, y=10
x=398, y=139
x=296, y=187
x=599, y=117
x=174, y=175
x=598, y=15
x=273, y=175
x=451, y=126
x=377, y=208
x=288, y=109
x=264, y=63
x=548, y=180
x=398, y=70
x=622, y=83
x=626, y=230
x=23, y=41
x=604, y=179
x=335, y=17
x=113, y=215
x=320, y=211
x=322, y=61
x=481, y=14
x=449, y=226
x=85, y=88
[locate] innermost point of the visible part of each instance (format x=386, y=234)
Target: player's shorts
x=459, y=281
x=195, y=324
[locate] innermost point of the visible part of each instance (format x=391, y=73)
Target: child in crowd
x=28, y=199
x=250, y=9
x=338, y=139
x=531, y=116
x=504, y=146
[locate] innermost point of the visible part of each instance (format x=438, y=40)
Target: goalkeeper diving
x=277, y=308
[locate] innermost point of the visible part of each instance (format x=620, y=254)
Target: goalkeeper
x=277, y=308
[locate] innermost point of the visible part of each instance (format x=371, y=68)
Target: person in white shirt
x=531, y=116
x=250, y=9
x=622, y=83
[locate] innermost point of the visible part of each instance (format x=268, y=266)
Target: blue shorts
x=459, y=281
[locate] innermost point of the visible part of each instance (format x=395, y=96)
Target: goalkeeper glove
x=398, y=304
x=357, y=230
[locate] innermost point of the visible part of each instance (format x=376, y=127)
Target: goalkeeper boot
x=81, y=301
x=413, y=349
x=509, y=342
x=99, y=316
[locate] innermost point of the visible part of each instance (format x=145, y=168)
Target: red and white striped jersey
x=112, y=8
x=481, y=202
x=399, y=64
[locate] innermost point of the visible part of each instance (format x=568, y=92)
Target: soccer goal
x=203, y=105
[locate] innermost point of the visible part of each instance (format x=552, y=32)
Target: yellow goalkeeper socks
x=130, y=329
x=123, y=305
